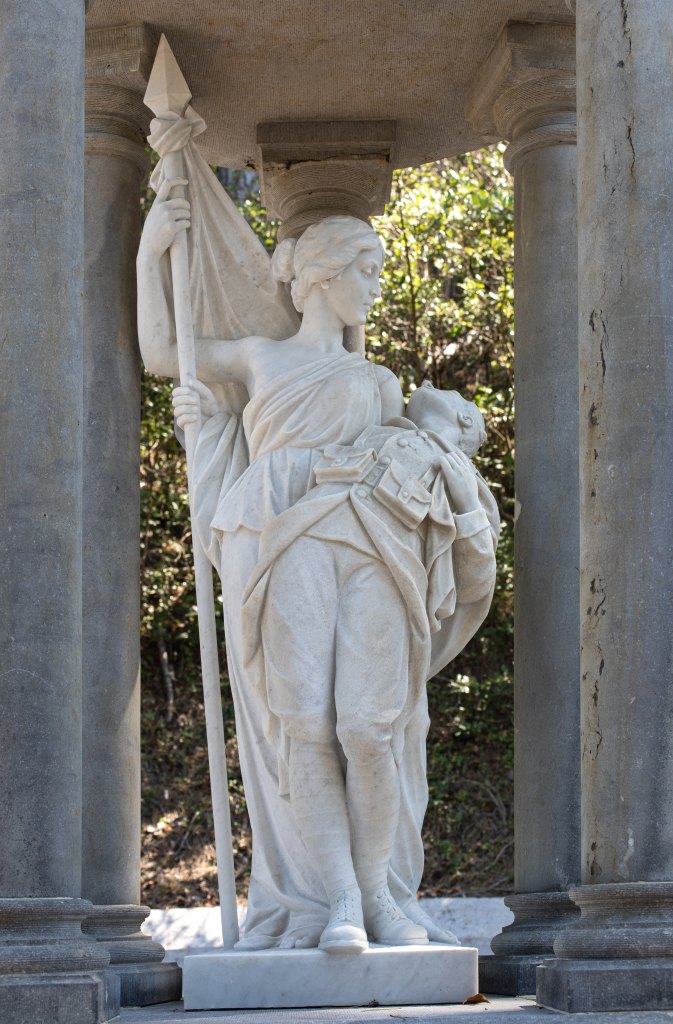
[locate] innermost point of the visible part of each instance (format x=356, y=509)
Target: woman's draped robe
x=256, y=492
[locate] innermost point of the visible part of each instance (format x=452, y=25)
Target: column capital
x=525, y=90
x=118, y=65
x=310, y=170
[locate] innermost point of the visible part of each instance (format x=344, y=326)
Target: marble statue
x=355, y=543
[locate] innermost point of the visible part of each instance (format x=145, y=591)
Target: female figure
x=326, y=603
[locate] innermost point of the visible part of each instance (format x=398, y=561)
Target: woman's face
x=353, y=292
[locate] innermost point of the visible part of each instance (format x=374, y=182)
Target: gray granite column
x=118, y=64
x=47, y=965
x=619, y=955
x=526, y=90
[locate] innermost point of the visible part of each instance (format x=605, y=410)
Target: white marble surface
x=474, y=919
x=311, y=977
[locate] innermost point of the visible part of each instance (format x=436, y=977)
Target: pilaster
x=525, y=94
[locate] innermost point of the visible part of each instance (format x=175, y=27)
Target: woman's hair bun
x=282, y=261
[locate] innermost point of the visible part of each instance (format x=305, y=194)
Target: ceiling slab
x=410, y=61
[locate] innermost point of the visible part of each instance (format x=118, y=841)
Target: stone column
x=525, y=93
x=48, y=967
x=118, y=62
x=619, y=955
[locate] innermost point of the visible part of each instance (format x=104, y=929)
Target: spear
x=168, y=94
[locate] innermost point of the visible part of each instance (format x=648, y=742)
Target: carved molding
x=118, y=928
x=118, y=65
x=311, y=170
x=525, y=91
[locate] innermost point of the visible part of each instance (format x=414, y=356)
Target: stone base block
x=508, y=975
x=402, y=975
x=144, y=984
x=58, y=999
x=588, y=986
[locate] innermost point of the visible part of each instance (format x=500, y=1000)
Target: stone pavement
x=500, y=1010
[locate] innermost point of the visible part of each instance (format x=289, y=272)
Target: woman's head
x=324, y=252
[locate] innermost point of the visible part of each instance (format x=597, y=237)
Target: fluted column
x=118, y=63
x=46, y=962
x=619, y=955
x=525, y=93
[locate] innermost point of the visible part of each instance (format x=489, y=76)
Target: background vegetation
x=445, y=315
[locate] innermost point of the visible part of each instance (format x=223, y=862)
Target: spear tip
x=167, y=91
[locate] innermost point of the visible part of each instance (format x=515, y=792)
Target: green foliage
x=445, y=315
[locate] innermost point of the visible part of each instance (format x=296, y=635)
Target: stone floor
x=500, y=1010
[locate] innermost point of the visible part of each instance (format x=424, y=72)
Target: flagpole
x=168, y=93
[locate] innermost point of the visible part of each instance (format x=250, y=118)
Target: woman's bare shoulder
x=392, y=401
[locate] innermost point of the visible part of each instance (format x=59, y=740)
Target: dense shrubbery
x=445, y=315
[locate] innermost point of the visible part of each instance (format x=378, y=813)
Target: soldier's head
x=450, y=415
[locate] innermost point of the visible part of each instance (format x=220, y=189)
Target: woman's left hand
x=461, y=480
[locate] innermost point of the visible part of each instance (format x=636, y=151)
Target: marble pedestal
x=409, y=975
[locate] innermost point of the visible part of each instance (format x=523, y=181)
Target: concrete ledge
x=586, y=986
x=402, y=975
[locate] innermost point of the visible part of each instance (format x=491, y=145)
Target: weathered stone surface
x=49, y=970
x=289, y=60
x=58, y=999
x=625, y=151
x=118, y=929
x=115, y=159
x=312, y=170
x=538, y=916
x=626, y=431
x=148, y=983
x=522, y=945
x=588, y=986
x=45, y=935
x=526, y=92
x=40, y=463
x=629, y=920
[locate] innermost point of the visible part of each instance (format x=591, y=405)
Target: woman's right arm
x=216, y=360
x=156, y=325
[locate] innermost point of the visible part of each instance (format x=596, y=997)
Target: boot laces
x=388, y=906
x=344, y=907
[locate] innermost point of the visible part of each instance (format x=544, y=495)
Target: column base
x=58, y=999
x=524, y=944
x=587, y=986
x=145, y=984
x=135, y=958
x=508, y=975
x=617, y=956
